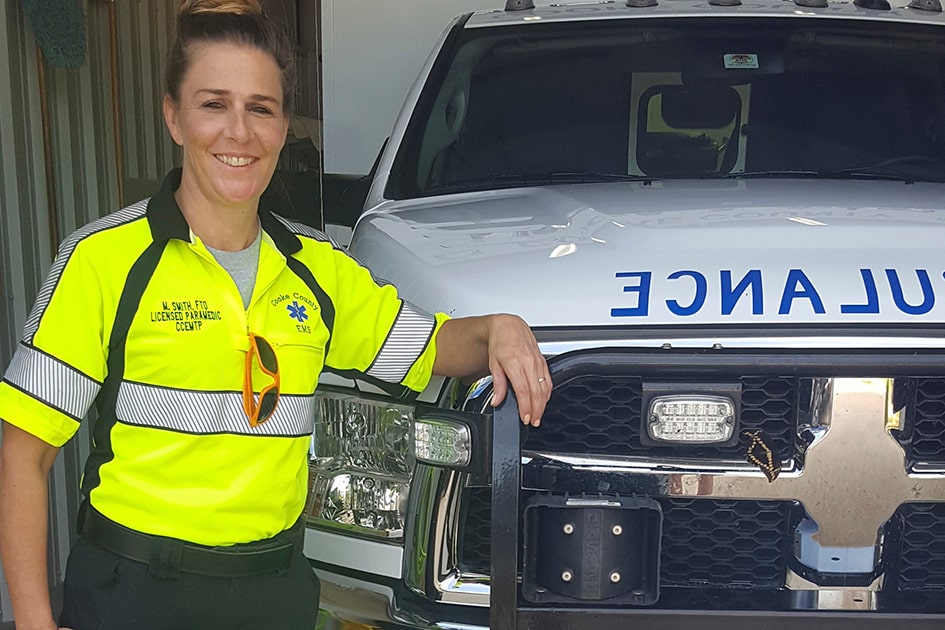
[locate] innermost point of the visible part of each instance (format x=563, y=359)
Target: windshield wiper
x=595, y=176
x=506, y=180
x=858, y=172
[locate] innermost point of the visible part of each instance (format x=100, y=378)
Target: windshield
x=681, y=98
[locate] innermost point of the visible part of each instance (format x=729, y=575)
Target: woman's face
x=230, y=122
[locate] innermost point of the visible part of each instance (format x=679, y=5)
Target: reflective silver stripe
x=407, y=338
x=52, y=381
x=125, y=215
x=300, y=229
x=202, y=413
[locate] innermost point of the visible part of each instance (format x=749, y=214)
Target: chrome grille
x=731, y=539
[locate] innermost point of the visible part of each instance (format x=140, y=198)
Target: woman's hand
x=501, y=345
x=514, y=359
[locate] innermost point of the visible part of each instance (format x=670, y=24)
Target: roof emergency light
x=519, y=5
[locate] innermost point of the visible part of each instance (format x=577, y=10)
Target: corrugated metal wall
x=57, y=176
x=84, y=179
x=24, y=243
x=145, y=31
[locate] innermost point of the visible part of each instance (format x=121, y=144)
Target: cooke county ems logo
x=297, y=312
x=297, y=309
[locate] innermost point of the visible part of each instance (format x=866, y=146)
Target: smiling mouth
x=230, y=160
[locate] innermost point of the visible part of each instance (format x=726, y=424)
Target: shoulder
x=126, y=215
x=108, y=231
x=307, y=233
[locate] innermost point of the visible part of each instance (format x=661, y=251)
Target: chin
x=241, y=194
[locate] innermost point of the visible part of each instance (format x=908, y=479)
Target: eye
x=212, y=105
x=261, y=109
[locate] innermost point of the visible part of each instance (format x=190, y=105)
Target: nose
x=238, y=126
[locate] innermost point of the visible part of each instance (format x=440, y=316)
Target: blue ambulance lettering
x=751, y=281
x=797, y=286
x=692, y=291
x=697, y=301
x=872, y=296
x=642, y=289
x=928, y=297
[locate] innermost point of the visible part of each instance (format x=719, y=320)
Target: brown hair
x=230, y=21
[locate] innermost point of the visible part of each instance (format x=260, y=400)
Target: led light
x=441, y=442
x=691, y=419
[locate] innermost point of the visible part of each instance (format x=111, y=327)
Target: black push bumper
x=513, y=600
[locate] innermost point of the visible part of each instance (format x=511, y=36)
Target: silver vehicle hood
x=676, y=252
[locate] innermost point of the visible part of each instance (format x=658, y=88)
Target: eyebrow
x=252, y=97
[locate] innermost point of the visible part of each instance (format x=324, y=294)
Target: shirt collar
x=167, y=221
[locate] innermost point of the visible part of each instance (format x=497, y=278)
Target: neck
x=230, y=228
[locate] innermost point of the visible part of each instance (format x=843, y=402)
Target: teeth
x=235, y=161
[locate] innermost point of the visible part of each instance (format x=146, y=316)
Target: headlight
x=361, y=463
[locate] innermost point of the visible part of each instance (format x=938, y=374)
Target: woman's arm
x=25, y=461
x=501, y=345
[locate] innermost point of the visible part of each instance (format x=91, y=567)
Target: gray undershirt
x=241, y=266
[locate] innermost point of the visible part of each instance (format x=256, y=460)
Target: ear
x=172, y=119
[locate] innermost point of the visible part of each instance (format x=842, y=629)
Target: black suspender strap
x=135, y=284
x=326, y=308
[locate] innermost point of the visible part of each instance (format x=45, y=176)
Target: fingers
x=533, y=395
x=500, y=386
x=528, y=394
x=516, y=361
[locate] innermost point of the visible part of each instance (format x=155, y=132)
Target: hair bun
x=232, y=7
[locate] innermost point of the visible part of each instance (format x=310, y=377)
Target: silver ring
x=541, y=379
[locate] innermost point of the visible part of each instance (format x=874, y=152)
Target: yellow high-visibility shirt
x=138, y=317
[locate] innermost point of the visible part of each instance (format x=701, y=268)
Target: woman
x=198, y=322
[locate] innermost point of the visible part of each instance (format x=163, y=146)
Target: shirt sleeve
x=379, y=333
x=60, y=363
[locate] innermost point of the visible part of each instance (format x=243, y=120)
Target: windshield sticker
x=908, y=292
x=741, y=60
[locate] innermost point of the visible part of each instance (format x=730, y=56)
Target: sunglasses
x=259, y=409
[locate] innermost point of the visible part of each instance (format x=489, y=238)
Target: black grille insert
x=916, y=573
x=923, y=431
x=721, y=543
x=601, y=415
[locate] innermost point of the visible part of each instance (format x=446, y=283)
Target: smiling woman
x=198, y=322
x=230, y=120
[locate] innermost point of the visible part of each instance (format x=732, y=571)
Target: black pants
x=104, y=591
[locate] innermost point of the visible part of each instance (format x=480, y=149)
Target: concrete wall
x=372, y=51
